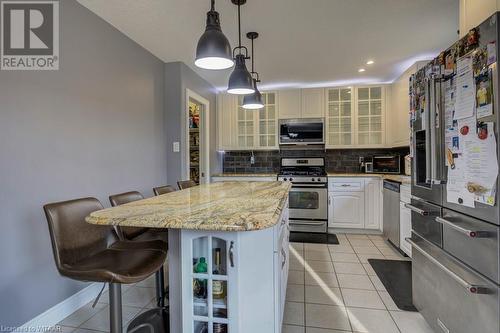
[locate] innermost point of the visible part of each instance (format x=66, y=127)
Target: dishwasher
x=391, y=212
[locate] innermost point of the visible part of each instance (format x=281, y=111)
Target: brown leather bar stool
x=184, y=184
x=163, y=190
x=92, y=253
x=143, y=234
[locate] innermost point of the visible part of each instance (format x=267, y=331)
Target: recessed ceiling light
x=370, y=62
x=361, y=70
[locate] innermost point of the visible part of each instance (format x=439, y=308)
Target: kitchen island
x=228, y=253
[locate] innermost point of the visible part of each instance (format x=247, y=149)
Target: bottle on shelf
x=218, y=287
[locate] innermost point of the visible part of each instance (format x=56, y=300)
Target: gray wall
x=178, y=78
x=93, y=128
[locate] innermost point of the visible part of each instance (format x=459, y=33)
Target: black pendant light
x=253, y=101
x=240, y=81
x=213, y=50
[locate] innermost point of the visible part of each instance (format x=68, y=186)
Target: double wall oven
x=308, y=198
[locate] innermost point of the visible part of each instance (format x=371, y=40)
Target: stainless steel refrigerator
x=456, y=248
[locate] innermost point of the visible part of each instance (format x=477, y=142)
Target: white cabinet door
x=346, y=210
x=372, y=203
x=226, y=122
x=210, y=296
x=313, y=103
x=404, y=228
x=290, y=102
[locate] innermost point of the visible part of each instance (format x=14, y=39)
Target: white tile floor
x=331, y=289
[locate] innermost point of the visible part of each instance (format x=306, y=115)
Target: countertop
x=403, y=179
x=224, y=206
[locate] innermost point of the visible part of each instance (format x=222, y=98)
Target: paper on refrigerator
x=465, y=100
x=456, y=186
x=481, y=165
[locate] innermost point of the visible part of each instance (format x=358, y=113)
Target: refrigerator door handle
x=434, y=115
x=471, y=288
x=428, y=154
x=467, y=232
x=417, y=210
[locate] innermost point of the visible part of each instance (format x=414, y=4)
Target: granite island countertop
x=225, y=206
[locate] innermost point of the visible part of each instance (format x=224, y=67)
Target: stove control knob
x=319, y=179
x=313, y=179
x=284, y=179
x=291, y=179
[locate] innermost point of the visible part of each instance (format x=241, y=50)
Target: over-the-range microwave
x=302, y=131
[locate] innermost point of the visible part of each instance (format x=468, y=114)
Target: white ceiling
x=302, y=43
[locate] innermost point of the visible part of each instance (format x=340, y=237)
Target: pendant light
x=240, y=81
x=213, y=50
x=253, y=101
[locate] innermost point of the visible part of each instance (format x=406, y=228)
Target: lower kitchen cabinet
x=225, y=274
x=346, y=210
x=355, y=203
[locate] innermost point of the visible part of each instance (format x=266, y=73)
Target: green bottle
x=201, y=266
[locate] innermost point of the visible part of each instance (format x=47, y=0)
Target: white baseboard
x=48, y=319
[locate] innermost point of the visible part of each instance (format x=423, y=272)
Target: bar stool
x=92, y=253
x=163, y=190
x=143, y=234
x=184, y=184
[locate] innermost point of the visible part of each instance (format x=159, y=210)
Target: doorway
x=197, y=138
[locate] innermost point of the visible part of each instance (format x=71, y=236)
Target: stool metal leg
x=160, y=288
x=115, y=307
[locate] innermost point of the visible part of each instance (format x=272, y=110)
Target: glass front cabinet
x=233, y=282
x=355, y=117
x=212, y=283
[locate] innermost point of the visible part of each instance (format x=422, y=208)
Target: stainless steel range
x=308, y=198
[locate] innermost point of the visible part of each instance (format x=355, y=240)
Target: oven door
x=308, y=206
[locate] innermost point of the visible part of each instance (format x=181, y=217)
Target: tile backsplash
x=337, y=160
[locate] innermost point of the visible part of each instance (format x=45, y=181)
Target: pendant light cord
x=253, y=56
x=213, y=6
x=239, y=26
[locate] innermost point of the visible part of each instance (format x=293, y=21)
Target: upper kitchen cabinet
x=227, y=106
x=242, y=129
x=355, y=117
x=370, y=116
x=301, y=103
x=339, y=117
x=398, y=114
x=313, y=103
x=290, y=104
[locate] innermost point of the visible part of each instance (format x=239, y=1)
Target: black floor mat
x=311, y=237
x=396, y=277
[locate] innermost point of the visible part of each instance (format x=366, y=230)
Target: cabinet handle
x=345, y=185
x=231, y=254
x=471, y=288
x=284, y=258
x=329, y=200
x=467, y=232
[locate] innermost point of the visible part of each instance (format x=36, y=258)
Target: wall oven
x=302, y=131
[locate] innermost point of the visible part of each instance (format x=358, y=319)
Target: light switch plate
x=176, y=147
